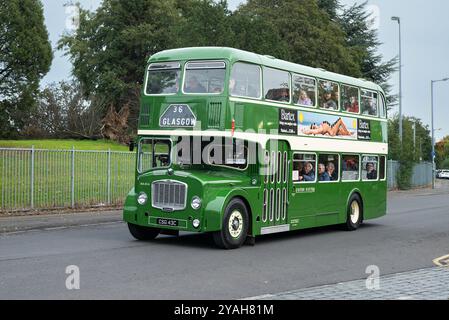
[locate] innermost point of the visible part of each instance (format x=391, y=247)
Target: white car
x=443, y=174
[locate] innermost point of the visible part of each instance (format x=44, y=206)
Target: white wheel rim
x=355, y=212
x=235, y=224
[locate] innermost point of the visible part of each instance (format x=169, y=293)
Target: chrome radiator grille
x=169, y=195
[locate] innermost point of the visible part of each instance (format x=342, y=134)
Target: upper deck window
x=382, y=106
x=276, y=85
x=163, y=78
x=350, y=99
x=328, y=95
x=369, y=103
x=245, y=80
x=304, y=91
x=204, y=77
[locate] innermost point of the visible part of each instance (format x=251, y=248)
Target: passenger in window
x=304, y=99
x=330, y=168
x=353, y=106
x=371, y=173
x=328, y=102
x=309, y=174
x=322, y=174
x=194, y=86
x=284, y=96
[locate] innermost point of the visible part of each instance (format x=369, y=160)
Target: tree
x=25, y=57
x=111, y=46
x=304, y=34
x=362, y=40
x=442, y=153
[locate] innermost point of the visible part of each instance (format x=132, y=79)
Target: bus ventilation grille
x=214, y=115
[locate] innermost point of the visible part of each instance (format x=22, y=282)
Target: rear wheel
x=355, y=213
x=143, y=233
x=235, y=226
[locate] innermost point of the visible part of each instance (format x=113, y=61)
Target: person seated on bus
x=353, y=106
x=308, y=174
x=194, y=86
x=284, y=96
x=330, y=168
x=304, y=99
x=322, y=173
x=371, y=173
x=328, y=102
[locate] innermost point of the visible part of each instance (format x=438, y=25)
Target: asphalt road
x=113, y=265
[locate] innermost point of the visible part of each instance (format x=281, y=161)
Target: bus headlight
x=196, y=203
x=196, y=223
x=142, y=198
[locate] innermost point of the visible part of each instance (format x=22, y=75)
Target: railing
x=42, y=179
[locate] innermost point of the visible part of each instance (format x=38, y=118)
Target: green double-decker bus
x=242, y=145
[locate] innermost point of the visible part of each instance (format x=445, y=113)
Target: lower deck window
x=369, y=167
x=304, y=167
x=350, y=168
x=328, y=167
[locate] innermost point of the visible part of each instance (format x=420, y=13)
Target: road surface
x=113, y=265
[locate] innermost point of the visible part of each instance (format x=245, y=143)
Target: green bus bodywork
x=308, y=205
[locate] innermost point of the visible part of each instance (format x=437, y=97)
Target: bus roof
x=231, y=54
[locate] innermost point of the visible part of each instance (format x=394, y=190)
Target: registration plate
x=167, y=222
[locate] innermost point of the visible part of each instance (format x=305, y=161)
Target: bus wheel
x=143, y=233
x=355, y=213
x=235, y=226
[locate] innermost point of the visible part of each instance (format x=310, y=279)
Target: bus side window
x=369, y=102
x=245, y=80
x=276, y=85
x=382, y=106
x=304, y=91
x=350, y=168
x=369, y=168
x=328, y=95
x=328, y=167
x=382, y=167
x=304, y=168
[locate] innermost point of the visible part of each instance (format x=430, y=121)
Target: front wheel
x=355, y=213
x=143, y=233
x=235, y=226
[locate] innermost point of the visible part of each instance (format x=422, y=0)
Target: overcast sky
x=425, y=50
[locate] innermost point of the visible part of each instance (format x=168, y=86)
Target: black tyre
x=143, y=233
x=235, y=226
x=355, y=213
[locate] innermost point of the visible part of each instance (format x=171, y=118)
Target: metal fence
x=42, y=179
x=422, y=174
x=38, y=178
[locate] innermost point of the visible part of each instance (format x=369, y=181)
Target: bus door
x=276, y=188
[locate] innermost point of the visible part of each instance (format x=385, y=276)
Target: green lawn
x=64, y=144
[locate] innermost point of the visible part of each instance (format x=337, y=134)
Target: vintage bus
x=241, y=145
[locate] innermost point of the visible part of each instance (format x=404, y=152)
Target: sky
x=425, y=50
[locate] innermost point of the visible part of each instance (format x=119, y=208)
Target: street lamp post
x=433, y=130
x=400, y=78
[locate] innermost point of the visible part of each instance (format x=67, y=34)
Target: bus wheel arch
x=235, y=224
x=354, y=211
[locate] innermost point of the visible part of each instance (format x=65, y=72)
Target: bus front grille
x=169, y=195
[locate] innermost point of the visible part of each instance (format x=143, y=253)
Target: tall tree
x=305, y=32
x=110, y=48
x=25, y=57
x=362, y=39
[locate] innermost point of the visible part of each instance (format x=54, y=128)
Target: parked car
x=443, y=174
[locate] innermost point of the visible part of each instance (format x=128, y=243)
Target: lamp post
x=400, y=78
x=433, y=130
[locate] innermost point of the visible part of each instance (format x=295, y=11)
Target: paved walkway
x=423, y=284
x=57, y=220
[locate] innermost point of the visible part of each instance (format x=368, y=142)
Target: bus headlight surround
x=196, y=203
x=142, y=198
